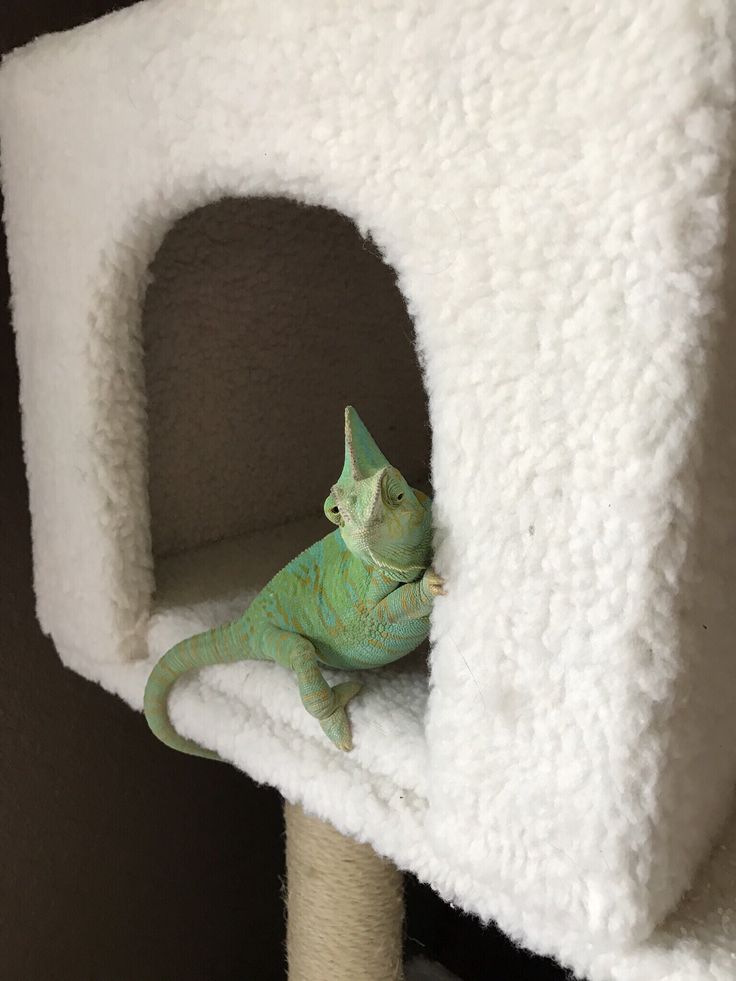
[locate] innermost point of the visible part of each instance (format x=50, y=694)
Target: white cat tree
x=550, y=183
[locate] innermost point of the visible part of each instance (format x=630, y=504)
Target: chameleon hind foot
x=337, y=726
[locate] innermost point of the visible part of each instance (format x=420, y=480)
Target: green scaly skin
x=359, y=598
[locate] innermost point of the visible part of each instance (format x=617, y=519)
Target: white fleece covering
x=550, y=183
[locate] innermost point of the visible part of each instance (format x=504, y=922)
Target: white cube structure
x=550, y=183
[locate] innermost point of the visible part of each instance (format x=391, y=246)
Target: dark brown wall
x=120, y=860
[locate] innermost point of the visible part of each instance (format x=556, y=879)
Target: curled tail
x=218, y=646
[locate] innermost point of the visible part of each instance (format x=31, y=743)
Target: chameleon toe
x=337, y=730
x=345, y=691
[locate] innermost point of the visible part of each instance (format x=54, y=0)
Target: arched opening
x=263, y=318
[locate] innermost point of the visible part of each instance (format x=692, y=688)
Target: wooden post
x=345, y=906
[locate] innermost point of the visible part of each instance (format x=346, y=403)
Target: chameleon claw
x=337, y=729
x=435, y=583
x=337, y=726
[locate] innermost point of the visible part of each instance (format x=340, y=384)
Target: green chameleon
x=359, y=598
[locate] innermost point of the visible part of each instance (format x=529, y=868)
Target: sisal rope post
x=345, y=906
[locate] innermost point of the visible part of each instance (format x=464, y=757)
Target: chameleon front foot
x=434, y=582
x=337, y=726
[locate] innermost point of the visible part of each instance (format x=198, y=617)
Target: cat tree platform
x=550, y=185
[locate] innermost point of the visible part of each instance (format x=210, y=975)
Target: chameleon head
x=383, y=521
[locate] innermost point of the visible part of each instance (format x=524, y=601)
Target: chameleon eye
x=394, y=488
x=332, y=511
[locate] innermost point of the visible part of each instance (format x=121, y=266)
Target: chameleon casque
x=358, y=598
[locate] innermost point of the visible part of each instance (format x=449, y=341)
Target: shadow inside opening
x=263, y=319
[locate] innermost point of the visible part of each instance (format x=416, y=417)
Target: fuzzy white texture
x=550, y=183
